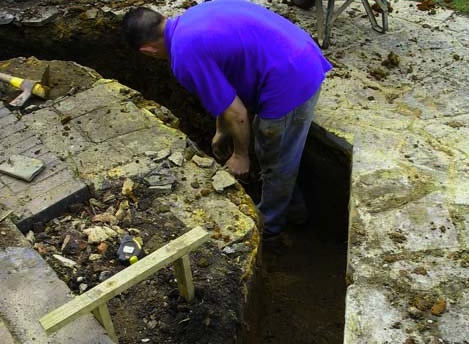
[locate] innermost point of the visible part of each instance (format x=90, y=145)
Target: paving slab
x=5, y=334
x=30, y=289
x=22, y=167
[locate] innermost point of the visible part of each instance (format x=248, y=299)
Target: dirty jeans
x=278, y=145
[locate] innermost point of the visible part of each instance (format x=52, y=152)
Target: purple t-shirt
x=223, y=48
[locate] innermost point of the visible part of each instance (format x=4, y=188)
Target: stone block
x=19, y=143
x=44, y=207
x=57, y=192
x=98, y=158
x=22, y=167
x=151, y=139
x=370, y=316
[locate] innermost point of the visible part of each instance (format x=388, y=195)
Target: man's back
x=224, y=48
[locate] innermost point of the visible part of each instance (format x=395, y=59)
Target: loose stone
x=82, y=287
x=98, y=234
x=94, y=257
x=202, y=162
x=177, y=158
x=222, y=180
x=162, y=154
x=65, y=261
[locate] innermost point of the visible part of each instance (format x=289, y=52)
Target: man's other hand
x=238, y=165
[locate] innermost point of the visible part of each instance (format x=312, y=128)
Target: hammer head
x=31, y=87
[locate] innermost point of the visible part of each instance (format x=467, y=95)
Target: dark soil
x=152, y=311
x=306, y=283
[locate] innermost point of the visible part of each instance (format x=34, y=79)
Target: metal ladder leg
x=384, y=15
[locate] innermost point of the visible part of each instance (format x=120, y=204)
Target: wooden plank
x=182, y=269
x=104, y=317
x=123, y=280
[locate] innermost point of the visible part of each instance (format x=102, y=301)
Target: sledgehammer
x=29, y=87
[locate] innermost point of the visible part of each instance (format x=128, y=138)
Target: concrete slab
x=22, y=167
x=5, y=334
x=30, y=289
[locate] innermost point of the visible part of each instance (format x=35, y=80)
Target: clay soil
x=152, y=311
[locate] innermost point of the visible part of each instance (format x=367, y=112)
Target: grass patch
x=461, y=5
x=457, y=5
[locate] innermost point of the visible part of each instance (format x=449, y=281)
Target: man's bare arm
x=235, y=121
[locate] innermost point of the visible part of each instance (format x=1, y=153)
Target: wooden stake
x=104, y=317
x=182, y=269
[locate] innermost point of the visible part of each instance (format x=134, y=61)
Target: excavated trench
x=304, y=280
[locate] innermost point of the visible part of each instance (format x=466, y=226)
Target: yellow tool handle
x=16, y=82
x=40, y=91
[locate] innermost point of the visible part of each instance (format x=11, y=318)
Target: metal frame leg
x=324, y=23
x=384, y=15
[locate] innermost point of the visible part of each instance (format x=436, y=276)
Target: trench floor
x=305, y=282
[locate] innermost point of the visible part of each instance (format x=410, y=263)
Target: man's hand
x=234, y=123
x=238, y=165
x=222, y=146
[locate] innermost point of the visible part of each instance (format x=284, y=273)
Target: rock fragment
x=392, y=60
x=82, y=287
x=127, y=189
x=98, y=234
x=65, y=261
x=177, y=158
x=104, y=275
x=94, y=256
x=6, y=18
x=439, y=307
x=40, y=17
x=162, y=154
x=222, y=180
x=202, y=162
x=105, y=217
x=30, y=237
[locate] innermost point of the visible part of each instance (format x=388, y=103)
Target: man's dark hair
x=140, y=26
